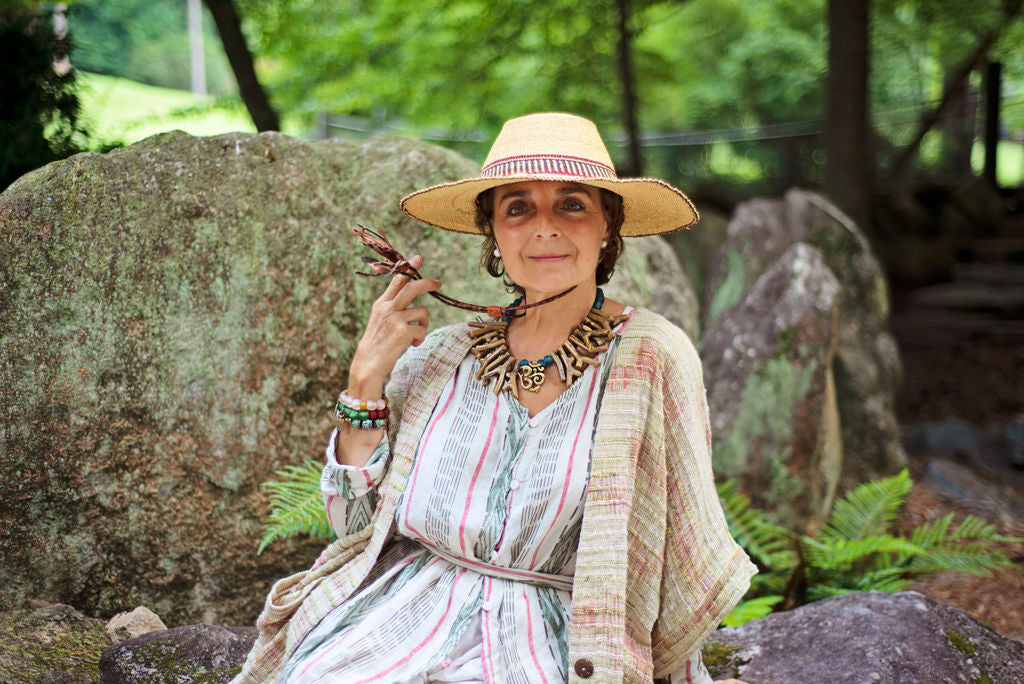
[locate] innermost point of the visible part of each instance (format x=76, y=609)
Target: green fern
x=868, y=510
x=857, y=549
x=296, y=505
x=767, y=543
x=755, y=608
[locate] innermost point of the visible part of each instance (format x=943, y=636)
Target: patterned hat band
x=553, y=147
x=547, y=164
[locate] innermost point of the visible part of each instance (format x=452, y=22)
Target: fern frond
x=868, y=510
x=766, y=542
x=755, y=608
x=816, y=592
x=838, y=554
x=296, y=505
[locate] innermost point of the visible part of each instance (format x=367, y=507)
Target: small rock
x=132, y=624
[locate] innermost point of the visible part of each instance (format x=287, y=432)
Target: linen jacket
x=656, y=567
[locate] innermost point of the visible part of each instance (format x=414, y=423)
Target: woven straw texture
x=553, y=147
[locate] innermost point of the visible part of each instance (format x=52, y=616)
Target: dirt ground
x=969, y=367
x=998, y=601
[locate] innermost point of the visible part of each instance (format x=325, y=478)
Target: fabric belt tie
x=540, y=579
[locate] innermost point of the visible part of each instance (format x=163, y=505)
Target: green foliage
x=39, y=106
x=296, y=505
x=146, y=41
x=856, y=550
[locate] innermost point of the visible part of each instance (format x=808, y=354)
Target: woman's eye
x=515, y=209
x=573, y=205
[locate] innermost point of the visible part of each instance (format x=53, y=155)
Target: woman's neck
x=543, y=329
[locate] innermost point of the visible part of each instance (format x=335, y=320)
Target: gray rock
x=50, y=645
x=648, y=274
x=696, y=247
x=867, y=367
x=768, y=370
x=866, y=637
x=175, y=320
x=183, y=655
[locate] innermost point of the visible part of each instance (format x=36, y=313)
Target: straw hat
x=555, y=147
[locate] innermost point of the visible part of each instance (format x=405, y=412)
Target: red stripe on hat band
x=547, y=164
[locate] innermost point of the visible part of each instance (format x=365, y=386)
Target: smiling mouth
x=550, y=257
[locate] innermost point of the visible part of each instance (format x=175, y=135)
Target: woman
x=541, y=506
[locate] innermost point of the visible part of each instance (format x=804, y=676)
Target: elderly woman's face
x=549, y=234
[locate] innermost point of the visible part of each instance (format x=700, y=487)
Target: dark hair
x=611, y=206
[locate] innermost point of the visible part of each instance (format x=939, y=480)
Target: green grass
x=117, y=110
x=1009, y=162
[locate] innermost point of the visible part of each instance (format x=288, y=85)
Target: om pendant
x=531, y=375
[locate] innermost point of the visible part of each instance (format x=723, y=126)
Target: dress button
x=584, y=668
x=513, y=485
x=486, y=606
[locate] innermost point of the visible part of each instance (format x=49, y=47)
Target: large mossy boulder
x=867, y=367
x=771, y=394
x=176, y=319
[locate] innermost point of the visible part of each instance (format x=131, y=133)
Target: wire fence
x=766, y=159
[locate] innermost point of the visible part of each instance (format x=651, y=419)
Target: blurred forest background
x=726, y=98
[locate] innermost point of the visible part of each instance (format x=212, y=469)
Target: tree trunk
x=1010, y=11
x=634, y=165
x=847, y=140
x=229, y=26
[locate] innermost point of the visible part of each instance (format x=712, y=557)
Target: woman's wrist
x=365, y=385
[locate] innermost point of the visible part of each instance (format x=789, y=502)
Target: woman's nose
x=547, y=224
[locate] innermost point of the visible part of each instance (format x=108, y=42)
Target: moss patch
x=961, y=643
x=50, y=644
x=167, y=663
x=722, y=660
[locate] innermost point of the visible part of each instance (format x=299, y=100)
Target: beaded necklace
x=589, y=338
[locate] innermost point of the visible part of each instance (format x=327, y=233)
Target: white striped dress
x=477, y=584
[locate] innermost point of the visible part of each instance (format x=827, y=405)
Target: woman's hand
x=393, y=325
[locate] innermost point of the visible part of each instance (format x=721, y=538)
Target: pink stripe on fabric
x=568, y=472
x=325, y=652
x=487, y=653
x=330, y=498
x=403, y=661
x=369, y=482
x=416, y=472
x=472, y=483
x=689, y=678
x=529, y=639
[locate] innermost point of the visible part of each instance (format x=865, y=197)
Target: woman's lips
x=549, y=257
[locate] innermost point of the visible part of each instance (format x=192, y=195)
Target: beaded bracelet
x=361, y=414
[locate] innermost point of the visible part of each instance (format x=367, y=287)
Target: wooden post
x=993, y=86
x=195, y=43
x=847, y=140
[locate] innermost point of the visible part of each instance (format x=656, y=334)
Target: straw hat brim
x=650, y=206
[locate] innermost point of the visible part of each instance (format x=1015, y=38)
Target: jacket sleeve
x=705, y=571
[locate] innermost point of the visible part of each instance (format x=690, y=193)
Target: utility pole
x=195, y=43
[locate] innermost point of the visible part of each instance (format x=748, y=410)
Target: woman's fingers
x=411, y=291
x=399, y=281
